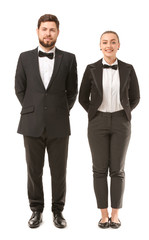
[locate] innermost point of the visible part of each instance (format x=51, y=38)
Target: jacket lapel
x=58, y=59
x=124, y=70
x=96, y=70
x=36, y=67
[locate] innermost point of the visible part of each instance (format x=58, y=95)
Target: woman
x=109, y=92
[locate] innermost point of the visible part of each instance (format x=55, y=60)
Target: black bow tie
x=43, y=54
x=109, y=66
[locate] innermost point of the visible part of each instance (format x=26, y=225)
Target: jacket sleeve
x=134, y=92
x=85, y=89
x=20, y=81
x=72, y=83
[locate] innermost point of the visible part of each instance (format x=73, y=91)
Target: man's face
x=109, y=45
x=47, y=34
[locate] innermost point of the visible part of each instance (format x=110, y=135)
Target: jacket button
x=45, y=108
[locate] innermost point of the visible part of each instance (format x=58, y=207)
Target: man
x=46, y=86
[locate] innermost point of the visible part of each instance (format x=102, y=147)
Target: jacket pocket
x=26, y=110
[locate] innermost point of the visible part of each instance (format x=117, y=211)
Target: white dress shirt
x=111, y=90
x=46, y=66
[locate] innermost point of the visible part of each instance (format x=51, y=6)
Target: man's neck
x=46, y=49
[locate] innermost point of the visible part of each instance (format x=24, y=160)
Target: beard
x=47, y=45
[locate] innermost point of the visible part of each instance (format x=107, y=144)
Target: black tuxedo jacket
x=91, y=90
x=43, y=108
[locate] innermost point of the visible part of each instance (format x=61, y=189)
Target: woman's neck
x=110, y=60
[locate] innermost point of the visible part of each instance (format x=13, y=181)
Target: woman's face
x=109, y=45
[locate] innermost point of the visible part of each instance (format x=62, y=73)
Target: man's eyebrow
x=50, y=28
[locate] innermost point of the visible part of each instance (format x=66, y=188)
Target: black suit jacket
x=91, y=90
x=43, y=108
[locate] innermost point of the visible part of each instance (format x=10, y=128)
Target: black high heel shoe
x=103, y=225
x=114, y=224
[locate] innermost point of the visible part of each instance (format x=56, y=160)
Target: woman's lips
x=109, y=51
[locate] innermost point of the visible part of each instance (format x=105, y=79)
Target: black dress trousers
x=57, y=149
x=109, y=135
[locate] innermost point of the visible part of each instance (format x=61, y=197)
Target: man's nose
x=48, y=32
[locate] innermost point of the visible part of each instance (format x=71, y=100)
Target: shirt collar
x=104, y=62
x=51, y=51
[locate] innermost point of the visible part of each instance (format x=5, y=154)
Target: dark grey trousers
x=109, y=135
x=57, y=149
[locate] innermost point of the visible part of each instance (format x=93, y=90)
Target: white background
x=81, y=24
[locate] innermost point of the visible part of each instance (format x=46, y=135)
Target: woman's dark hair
x=111, y=32
x=48, y=18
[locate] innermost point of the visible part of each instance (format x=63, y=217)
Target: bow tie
x=43, y=54
x=109, y=66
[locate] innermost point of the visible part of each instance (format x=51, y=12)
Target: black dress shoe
x=58, y=220
x=103, y=225
x=114, y=224
x=35, y=220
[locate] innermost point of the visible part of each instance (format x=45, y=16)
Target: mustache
x=47, y=36
x=47, y=44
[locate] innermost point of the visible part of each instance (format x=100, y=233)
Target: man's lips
x=47, y=39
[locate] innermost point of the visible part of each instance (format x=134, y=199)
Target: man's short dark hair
x=48, y=18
